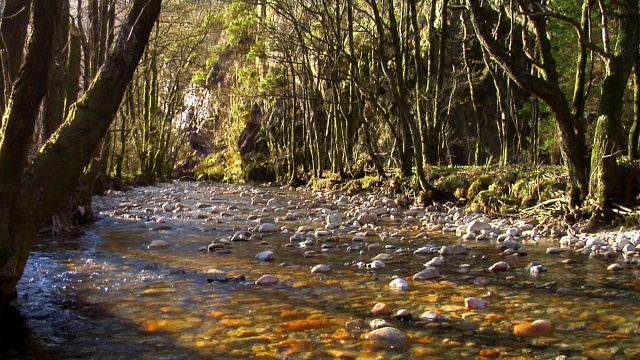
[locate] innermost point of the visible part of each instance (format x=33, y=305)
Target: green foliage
x=481, y=183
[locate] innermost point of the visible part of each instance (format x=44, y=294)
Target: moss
x=488, y=202
x=481, y=183
x=452, y=183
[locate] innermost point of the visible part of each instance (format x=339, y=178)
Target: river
x=107, y=295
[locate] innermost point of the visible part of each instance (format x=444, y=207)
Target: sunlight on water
x=158, y=303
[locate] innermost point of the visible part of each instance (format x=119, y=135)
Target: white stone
x=334, y=219
x=436, y=261
x=476, y=225
x=377, y=264
x=267, y=227
x=615, y=267
x=474, y=303
x=266, y=256
x=168, y=206
x=426, y=274
x=513, y=232
x=267, y=280
x=382, y=257
x=399, y=284
x=320, y=269
x=553, y=250
x=158, y=244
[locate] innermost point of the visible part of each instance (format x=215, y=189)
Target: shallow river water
x=106, y=295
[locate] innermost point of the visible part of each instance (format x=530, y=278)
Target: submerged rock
x=266, y=256
x=158, y=244
x=267, y=280
x=387, y=338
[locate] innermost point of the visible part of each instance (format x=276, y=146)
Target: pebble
x=474, y=303
x=266, y=255
x=379, y=324
x=427, y=274
x=321, y=269
x=267, y=280
x=381, y=309
x=267, y=227
x=399, y=284
x=500, y=266
x=615, y=267
x=158, y=244
x=387, y=338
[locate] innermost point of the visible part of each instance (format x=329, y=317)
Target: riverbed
x=115, y=294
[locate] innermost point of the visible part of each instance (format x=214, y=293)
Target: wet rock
x=387, y=338
x=536, y=269
x=553, y=250
x=377, y=264
x=267, y=227
x=381, y=309
x=320, y=269
x=379, y=324
x=535, y=329
x=404, y=315
x=382, y=257
x=168, y=207
x=215, y=246
x=158, y=244
x=399, y=284
x=476, y=225
x=481, y=281
x=267, y=280
x=474, y=303
x=427, y=274
x=217, y=277
x=500, y=266
x=615, y=267
x=334, y=220
x=436, y=261
x=265, y=256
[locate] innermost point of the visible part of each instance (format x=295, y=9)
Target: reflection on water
x=105, y=295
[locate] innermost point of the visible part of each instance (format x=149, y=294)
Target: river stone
x=266, y=256
x=399, y=284
x=387, y=337
x=320, y=269
x=268, y=227
x=267, y=280
x=553, y=250
x=615, y=267
x=334, y=220
x=158, y=244
x=381, y=309
x=426, y=274
x=474, y=303
x=377, y=264
x=404, y=315
x=381, y=257
x=168, y=207
x=379, y=324
x=476, y=225
x=436, y=261
x=500, y=266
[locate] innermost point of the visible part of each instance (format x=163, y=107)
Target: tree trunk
x=13, y=32
x=607, y=142
x=29, y=197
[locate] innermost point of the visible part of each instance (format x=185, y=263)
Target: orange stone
x=493, y=317
x=381, y=309
x=535, y=329
x=234, y=322
x=489, y=353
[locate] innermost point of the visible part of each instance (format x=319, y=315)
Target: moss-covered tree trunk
x=607, y=142
x=31, y=193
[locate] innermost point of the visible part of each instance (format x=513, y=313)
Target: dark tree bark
x=13, y=34
x=30, y=194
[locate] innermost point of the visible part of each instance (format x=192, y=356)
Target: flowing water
x=105, y=295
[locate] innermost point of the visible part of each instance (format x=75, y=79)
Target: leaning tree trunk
x=30, y=194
